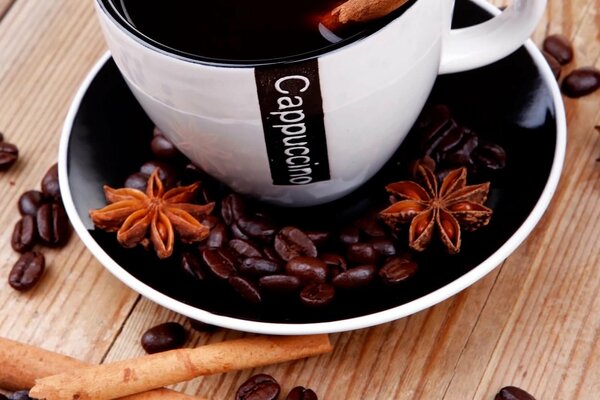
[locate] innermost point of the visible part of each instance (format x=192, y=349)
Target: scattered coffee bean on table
x=50, y=185
x=53, y=224
x=259, y=387
x=581, y=82
x=560, y=47
x=513, y=393
x=163, y=337
x=301, y=393
x=9, y=154
x=30, y=202
x=27, y=271
x=24, y=234
x=555, y=66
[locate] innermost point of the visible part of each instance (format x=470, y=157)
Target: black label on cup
x=292, y=114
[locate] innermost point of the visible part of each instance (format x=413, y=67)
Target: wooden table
x=534, y=322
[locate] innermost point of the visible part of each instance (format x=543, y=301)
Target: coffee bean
x=50, y=185
x=192, y=265
x=237, y=232
x=244, y=248
x=138, y=181
x=257, y=227
x=27, y=271
x=20, y=395
x=53, y=224
x=349, y=235
x=280, y=283
x=307, y=269
x=202, y=326
x=257, y=267
x=166, y=172
x=362, y=253
x=384, y=246
x=319, y=238
x=489, y=156
x=9, y=154
x=317, y=295
x=218, y=236
x=355, y=277
x=397, y=270
x=220, y=262
x=232, y=208
x=461, y=153
x=301, y=393
x=335, y=262
x=162, y=148
x=291, y=242
x=24, y=234
x=164, y=337
x=581, y=82
x=246, y=289
x=271, y=254
x=559, y=47
x=513, y=393
x=30, y=202
x=258, y=387
x=555, y=66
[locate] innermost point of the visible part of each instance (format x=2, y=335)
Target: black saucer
x=508, y=103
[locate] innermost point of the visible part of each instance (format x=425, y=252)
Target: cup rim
x=155, y=46
x=343, y=325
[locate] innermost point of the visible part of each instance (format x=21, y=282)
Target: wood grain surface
x=534, y=322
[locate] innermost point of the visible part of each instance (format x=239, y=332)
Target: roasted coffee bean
x=24, y=234
x=559, y=47
x=164, y=337
x=246, y=289
x=319, y=238
x=257, y=227
x=53, y=224
x=291, y=242
x=217, y=236
x=280, y=283
x=50, y=185
x=162, y=148
x=9, y=154
x=202, y=326
x=397, y=270
x=244, y=248
x=513, y=393
x=20, y=395
x=370, y=226
x=362, y=253
x=555, y=66
x=220, y=262
x=581, y=82
x=301, y=393
x=232, y=208
x=355, y=277
x=192, y=265
x=335, y=262
x=259, y=387
x=307, y=269
x=271, y=254
x=349, y=235
x=317, y=295
x=257, y=267
x=384, y=246
x=27, y=271
x=489, y=156
x=461, y=154
x=138, y=181
x=237, y=232
x=166, y=172
x=30, y=202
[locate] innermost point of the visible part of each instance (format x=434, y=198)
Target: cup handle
x=482, y=44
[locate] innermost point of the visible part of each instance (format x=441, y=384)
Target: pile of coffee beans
x=9, y=154
x=513, y=393
x=558, y=51
x=43, y=222
x=265, y=387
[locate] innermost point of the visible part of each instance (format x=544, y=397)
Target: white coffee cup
x=308, y=131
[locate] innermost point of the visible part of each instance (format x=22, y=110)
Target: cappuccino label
x=292, y=115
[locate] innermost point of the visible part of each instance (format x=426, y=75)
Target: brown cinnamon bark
x=359, y=11
x=109, y=381
x=21, y=365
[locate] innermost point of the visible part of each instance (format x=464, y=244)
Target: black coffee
x=232, y=29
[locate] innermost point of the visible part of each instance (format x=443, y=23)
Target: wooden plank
x=5, y=6
x=47, y=48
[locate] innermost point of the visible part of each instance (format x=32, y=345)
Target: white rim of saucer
x=365, y=321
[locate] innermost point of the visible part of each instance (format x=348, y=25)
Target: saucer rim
x=343, y=325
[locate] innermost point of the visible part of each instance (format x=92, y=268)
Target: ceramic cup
x=306, y=131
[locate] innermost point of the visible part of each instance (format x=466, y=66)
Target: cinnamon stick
x=21, y=365
x=109, y=381
x=359, y=11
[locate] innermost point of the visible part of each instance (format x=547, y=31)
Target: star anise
x=446, y=209
x=134, y=215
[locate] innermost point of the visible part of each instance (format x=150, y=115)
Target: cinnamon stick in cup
x=359, y=11
x=21, y=365
x=123, y=378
